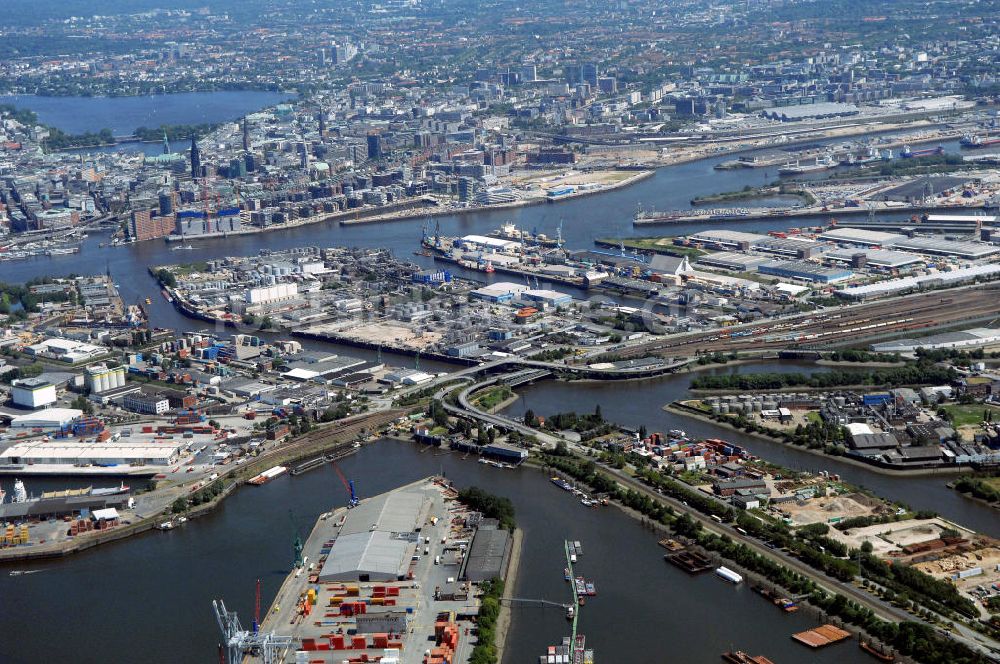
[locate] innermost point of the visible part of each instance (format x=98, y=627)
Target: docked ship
x=267, y=475
x=820, y=164
x=975, y=142
x=65, y=501
x=562, y=484
x=908, y=153
x=512, y=232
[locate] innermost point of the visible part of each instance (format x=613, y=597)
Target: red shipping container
x=358, y=643
x=337, y=641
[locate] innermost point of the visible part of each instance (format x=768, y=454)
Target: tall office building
x=589, y=72
x=374, y=146
x=529, y=73
x=572, y=73
x=195, y=159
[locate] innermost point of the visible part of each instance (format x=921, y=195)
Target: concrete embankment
x=309, y=445
x=503, y=619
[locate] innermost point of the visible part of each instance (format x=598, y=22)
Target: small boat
x=148, y=301
x=166, y=525
x=23, y=572
x=570, y=612
x=572, y=557
x=566, y=574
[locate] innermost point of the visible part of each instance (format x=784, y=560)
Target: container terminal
x=391, y=579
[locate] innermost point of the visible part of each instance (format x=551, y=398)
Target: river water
x=123, y=115
x=151, y=594
x=149, y=598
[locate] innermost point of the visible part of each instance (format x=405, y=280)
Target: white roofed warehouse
x=380, y=535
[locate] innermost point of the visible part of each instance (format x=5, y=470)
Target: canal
x=638, y=403
x=149, y=598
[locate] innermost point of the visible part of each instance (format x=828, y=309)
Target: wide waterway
x=123, y=115
x=148, y=599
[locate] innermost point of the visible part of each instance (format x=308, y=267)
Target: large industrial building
x=489, y=554
x=100, y=378
x=33, y=392
x=904, y=284
x=939, y=247
x=884, y=259
x=47, y=419
x=805, y=271
x=380, y=535
x=75, y=453
x=727, y=240
x=861, y=237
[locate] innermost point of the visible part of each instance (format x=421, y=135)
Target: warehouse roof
x=488, y=555
x=877, y=257
x=946, y=247
x=906, y=283
x=860, y=236
x=378, y=535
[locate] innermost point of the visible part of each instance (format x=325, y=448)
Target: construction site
x=389, y=579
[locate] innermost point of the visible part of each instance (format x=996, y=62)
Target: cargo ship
x=267, y=475
x=740, y=657
x=975, y=142
x=821, y=164
x=512, y=232
x=908, y=153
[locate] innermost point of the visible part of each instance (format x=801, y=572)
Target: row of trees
x=909, y=638
x=912, y=374
x=485, y=650
x=493, y=507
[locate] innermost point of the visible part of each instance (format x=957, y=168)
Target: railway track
x=912, y=313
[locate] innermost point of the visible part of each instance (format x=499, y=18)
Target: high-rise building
x=572, y=73
x=195, y=160
x=166, y=204
x=374, y=146
x=246, y=135
x=466, y=188
x=529, y=73
x=589, y=73
x=322, y=125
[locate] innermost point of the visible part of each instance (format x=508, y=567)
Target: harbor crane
x=239, y=643
x=349, y=485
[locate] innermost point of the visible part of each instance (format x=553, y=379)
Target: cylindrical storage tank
x=757, y=406
x=840, y=401
x=724, y=408
x=717, y=408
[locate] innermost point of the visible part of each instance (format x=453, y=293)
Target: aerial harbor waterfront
x=452, y=332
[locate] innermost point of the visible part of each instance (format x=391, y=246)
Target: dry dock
x=380, y=581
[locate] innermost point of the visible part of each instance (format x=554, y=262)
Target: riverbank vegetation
x=918, y=373
x=983, y=488
x=915, y=639
x=491, y=506
x=174, y=132
x=485, y=650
